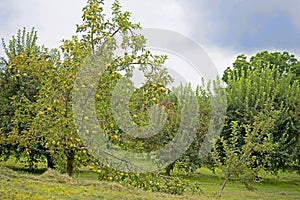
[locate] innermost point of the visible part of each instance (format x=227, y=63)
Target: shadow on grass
x=35, y=171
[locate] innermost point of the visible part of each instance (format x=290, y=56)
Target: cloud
x=224, y=28
x=54, y=20
x=246, y=25
x=58, y=19
x=167, y=14
x=16, y=14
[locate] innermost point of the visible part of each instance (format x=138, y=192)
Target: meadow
x=16, y=182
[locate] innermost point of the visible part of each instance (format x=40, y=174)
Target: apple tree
x=250, y=84
x=241, y=163
x=54, y=120
x=20, y=83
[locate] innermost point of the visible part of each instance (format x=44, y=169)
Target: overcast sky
x=224, y=28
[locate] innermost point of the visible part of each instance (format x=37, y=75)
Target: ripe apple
x=163, y=89
x=115, y=137
x=52, y=152
x=56, y=101
x=103, y=85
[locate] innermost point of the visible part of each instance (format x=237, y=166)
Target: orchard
x=260, y=130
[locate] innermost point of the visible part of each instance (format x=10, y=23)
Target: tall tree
x=97, y=33
x=20, y=83
x=249, y=86
x=283, y=62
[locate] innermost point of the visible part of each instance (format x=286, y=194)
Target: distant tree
x=282, y=62
x=250, y=84
x=20, y=84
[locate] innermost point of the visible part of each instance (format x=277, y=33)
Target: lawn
x=17, y=183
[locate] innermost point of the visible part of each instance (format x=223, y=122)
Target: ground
x=17, y=183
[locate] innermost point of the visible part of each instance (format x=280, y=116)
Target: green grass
x=284, y=186
x=17, y=183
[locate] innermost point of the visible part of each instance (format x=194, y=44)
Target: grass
x=17, y=183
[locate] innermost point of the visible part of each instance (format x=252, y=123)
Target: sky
x=223, y=28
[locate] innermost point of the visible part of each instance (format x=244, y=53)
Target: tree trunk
x=70, y=162
x=50, y=162
x=169, y=168
x=223, y=186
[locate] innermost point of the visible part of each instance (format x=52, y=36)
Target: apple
x=52, y=152
x=103, y=85
x=164, y=89
x=115, y=137
x=78, y=140
x=56, y=101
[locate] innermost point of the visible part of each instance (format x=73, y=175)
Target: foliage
x=37, y=119
x=240, y=163
x=20, y=83
x=250, y=85
x=48, y=118
x=148, y=181
x=281, y=62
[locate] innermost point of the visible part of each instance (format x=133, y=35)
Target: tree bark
x=50, y=162
x=223, y=186
x=169, y=168
x=70, y=162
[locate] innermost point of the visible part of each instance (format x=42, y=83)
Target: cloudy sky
x=224, y=28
